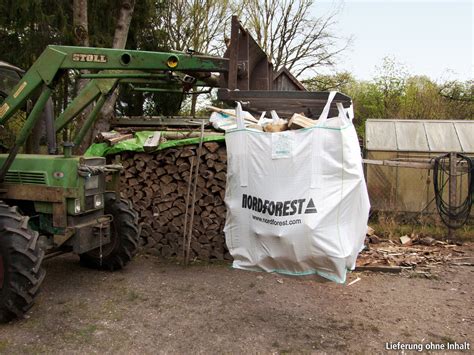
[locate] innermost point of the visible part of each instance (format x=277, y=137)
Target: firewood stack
x=157, y=184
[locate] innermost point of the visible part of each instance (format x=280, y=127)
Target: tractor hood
x=47, y=170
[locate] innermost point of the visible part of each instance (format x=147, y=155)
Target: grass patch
x=79, y=335
x=4, y=344
x=423, y=275
x=110, y=310
x=391, y=226
x=133, y=296
x=447, y=339
x=87, y=331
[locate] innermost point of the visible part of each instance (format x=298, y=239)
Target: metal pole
x=193, y=203
x=452, y=190
x=90, y=120
x=187, y=209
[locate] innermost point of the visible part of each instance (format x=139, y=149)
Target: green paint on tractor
x=48, y=170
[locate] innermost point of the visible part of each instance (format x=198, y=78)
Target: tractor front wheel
x=21, y=274
x=123, y=237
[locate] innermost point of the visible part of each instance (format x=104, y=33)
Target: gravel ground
x=159, y=306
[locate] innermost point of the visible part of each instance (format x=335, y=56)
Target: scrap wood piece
x=463, y=258
x=231, y=112
x=462, y=264
x=354, y=281
x=174, y=135
x=123, y=137
x=405, y=240
x=102, y=136
x=152, y=142
x=112, y=138
x=298, y=121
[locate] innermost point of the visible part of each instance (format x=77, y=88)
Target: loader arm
x=55, y=60
x=103, y=83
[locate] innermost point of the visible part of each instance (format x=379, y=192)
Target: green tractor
x=53, y=204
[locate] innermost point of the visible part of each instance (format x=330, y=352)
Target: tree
x=458, y=91
x=420, y=99
x=459, y=98
x=199, y=25
x=80, y=23
x=119, y=41
x=291, y=36
x=391, y=82
x=80, y=31
x=28, y=26
x=327, y=82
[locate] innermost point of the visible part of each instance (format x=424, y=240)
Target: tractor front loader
x=53, y=204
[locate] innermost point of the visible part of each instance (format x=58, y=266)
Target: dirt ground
x=157, y=306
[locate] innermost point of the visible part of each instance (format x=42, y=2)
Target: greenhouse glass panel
x=442, y=137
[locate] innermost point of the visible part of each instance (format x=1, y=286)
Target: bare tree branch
x=292, y=37
x=196, y=24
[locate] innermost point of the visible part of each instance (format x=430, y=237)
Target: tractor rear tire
x=21, y=274
x=124, y=237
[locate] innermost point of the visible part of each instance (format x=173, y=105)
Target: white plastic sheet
x=297, y=201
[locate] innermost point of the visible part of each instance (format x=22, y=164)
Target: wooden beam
x=404, y=164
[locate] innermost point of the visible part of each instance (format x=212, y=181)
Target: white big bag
x=297, y=201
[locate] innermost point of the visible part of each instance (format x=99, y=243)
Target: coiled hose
x=453, y=216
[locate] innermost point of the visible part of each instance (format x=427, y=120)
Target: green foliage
x=30, y=25
x=326, y=82
x=458, y=91
x=390, y=81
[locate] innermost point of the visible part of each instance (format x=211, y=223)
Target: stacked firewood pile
x=158, y=184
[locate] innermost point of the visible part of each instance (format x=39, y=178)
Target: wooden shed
x=283, y=80
x=401, y=189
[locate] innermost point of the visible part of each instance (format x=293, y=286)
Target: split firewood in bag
x=299, y=121
x=281, y=126
x=277, y=124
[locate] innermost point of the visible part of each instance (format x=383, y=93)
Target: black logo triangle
x=310, y=208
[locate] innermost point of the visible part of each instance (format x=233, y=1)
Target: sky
x=429, y=37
